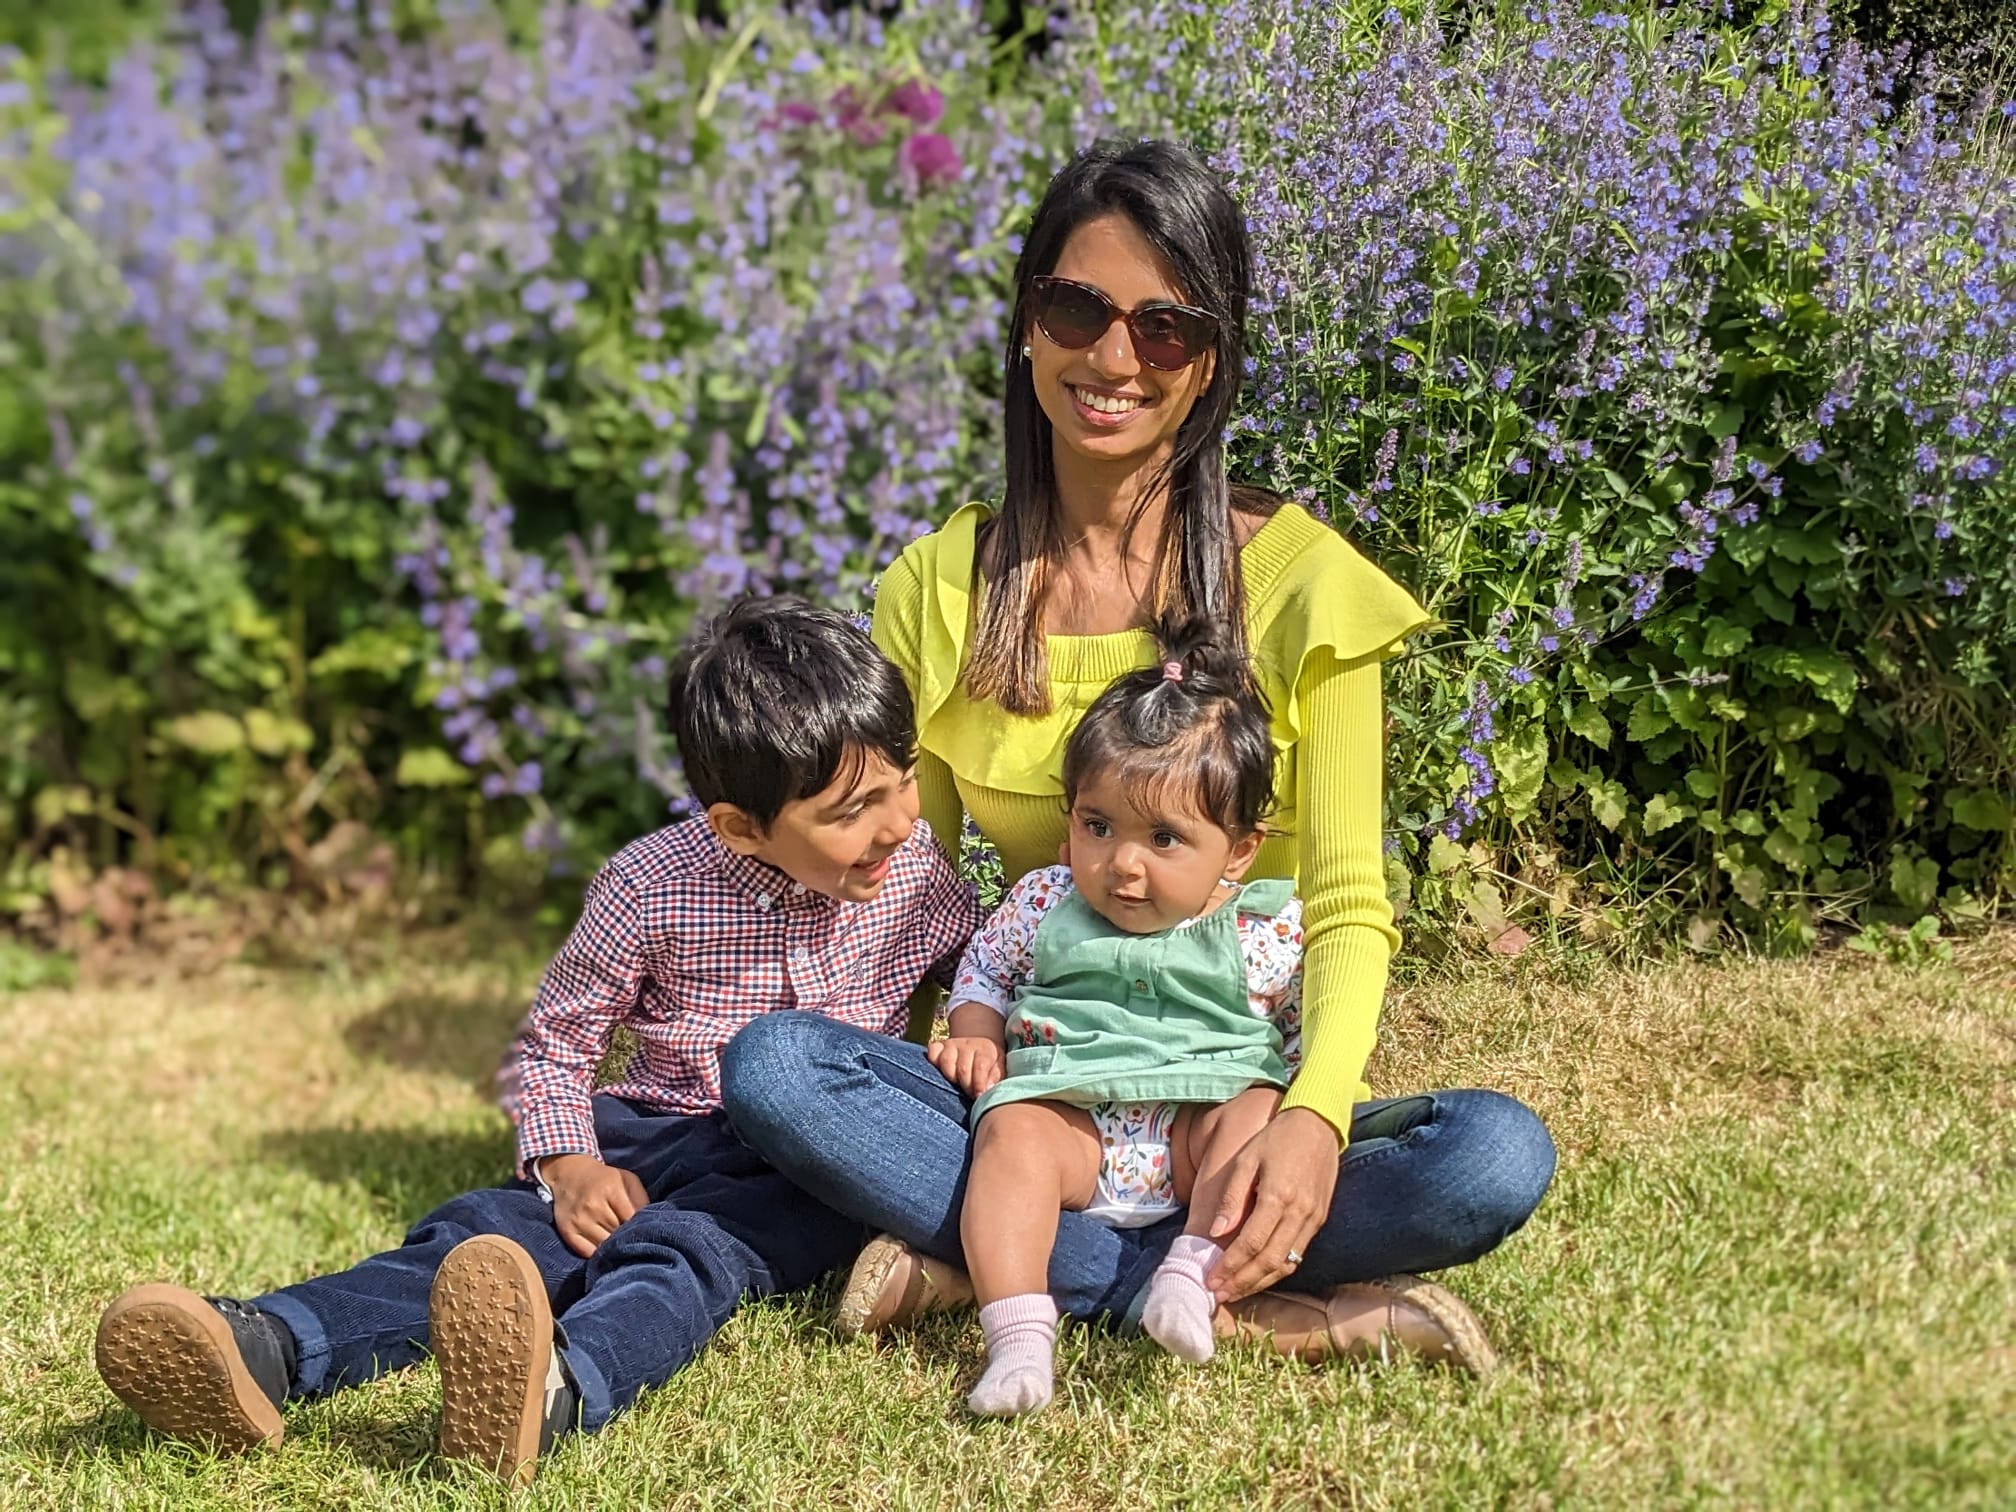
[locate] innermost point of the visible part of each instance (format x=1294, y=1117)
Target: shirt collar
x=762, y=884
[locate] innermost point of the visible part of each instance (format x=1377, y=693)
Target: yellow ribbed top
x=1320, y=620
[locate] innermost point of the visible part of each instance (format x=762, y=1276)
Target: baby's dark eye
x=1099, y=829
x=1164, y=840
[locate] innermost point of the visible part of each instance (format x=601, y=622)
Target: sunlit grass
x=1775, y=1269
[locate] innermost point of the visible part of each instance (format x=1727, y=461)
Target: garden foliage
x=385, y=402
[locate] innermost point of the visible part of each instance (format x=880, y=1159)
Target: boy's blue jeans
x=867, y=1122
x=722, y=1226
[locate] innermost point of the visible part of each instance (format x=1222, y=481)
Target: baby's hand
x=972, y=1063
x=590, y=1200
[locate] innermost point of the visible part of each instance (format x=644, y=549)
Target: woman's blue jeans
x=866, y=1124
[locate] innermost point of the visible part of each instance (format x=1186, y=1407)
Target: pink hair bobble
x=1172, y=671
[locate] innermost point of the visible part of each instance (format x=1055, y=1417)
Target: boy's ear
x=1243, y=852
x=737, y=828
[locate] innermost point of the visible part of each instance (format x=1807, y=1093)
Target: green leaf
x=211, y=732
x=1444, y=855
x=375, y=653
x=429, y=766
x=1982, y=810
x=276, y=734
x=1609, y=803
x=1587, y=721
x=1915, y=880
x=97, y=694
x=1648, y=719
x=1728, y=420
x=1782, y=846
x=55, y=804
x=1662, y=813
x=1520, y=759
x=1750, y=883
x=1722, y=638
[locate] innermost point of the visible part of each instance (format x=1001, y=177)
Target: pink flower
x=851, y=116
x=917, y=100
x=930, y=158
x=798, y=113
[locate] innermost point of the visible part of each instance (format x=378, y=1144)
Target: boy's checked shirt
x=682, y=942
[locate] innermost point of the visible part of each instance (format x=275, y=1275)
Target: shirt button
x=798, y=953
x=763, y=901
x=797, y=889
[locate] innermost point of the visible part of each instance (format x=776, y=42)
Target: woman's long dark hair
x=1187, y=215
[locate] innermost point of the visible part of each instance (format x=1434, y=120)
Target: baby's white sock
x=1021, y=1348
x=1178, y=1311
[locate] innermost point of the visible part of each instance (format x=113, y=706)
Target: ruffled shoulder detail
x=1310, y=590
x=938, y=570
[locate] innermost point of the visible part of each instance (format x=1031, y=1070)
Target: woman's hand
x=590, y=1200
x=1277, y=1194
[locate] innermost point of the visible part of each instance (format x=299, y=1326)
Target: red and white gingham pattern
x=682, y=942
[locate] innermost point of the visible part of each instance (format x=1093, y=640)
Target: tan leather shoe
x=892, y=1286
x=1364, y=1320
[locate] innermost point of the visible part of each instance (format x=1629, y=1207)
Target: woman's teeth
x=1107, y=404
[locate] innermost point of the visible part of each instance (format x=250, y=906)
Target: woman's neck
x=1096, y=505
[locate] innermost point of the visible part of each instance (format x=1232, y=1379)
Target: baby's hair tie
x=1172, y=671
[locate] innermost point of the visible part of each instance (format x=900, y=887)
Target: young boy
x=638, y=1218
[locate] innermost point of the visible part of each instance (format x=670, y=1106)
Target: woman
x=1126, y=353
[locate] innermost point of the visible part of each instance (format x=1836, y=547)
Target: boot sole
x=1469, y=1348
x=170, y=1356
x=491, y=1328
x=861, y=1304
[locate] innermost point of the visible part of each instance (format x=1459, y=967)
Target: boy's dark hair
x=1203, y=734
x=769, y=698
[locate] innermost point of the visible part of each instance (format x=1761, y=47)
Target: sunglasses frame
x=1040, y=286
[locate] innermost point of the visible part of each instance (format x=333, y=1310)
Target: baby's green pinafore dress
x=1110, y=1016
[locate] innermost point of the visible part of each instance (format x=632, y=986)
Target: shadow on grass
x=111, y=1430
x=393, y=1444
x=463, y=1036
x=411, y=1171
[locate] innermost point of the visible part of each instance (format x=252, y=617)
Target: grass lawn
x=1775, y=1268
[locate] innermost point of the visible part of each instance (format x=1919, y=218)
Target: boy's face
x=1144, y=871
x=839, y=840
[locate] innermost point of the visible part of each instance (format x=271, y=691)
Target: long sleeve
x=897, y=629
x=590, y=988
x=1347, y=919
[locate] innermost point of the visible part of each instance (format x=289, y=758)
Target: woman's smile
x=1105, y=408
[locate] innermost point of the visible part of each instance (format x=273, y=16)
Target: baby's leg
x=1177, y=1314
x=1031, y=1160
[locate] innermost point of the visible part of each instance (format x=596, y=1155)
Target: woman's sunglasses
x=1168, y=337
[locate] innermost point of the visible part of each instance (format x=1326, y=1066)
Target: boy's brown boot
x=504, y=1393
x=892, y=1286
x=213, y=1371
x=1363, y=1320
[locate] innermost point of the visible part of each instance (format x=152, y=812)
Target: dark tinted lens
x=1070, y=316
x=1169, y=338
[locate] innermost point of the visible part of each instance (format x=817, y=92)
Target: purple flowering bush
x=382, y=404
x=1672, y=367
x=389, y=400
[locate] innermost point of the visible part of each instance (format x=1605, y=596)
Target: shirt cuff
x=987, y=994
x=546, y=1133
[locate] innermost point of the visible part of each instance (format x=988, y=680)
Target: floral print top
x=1002, y=956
